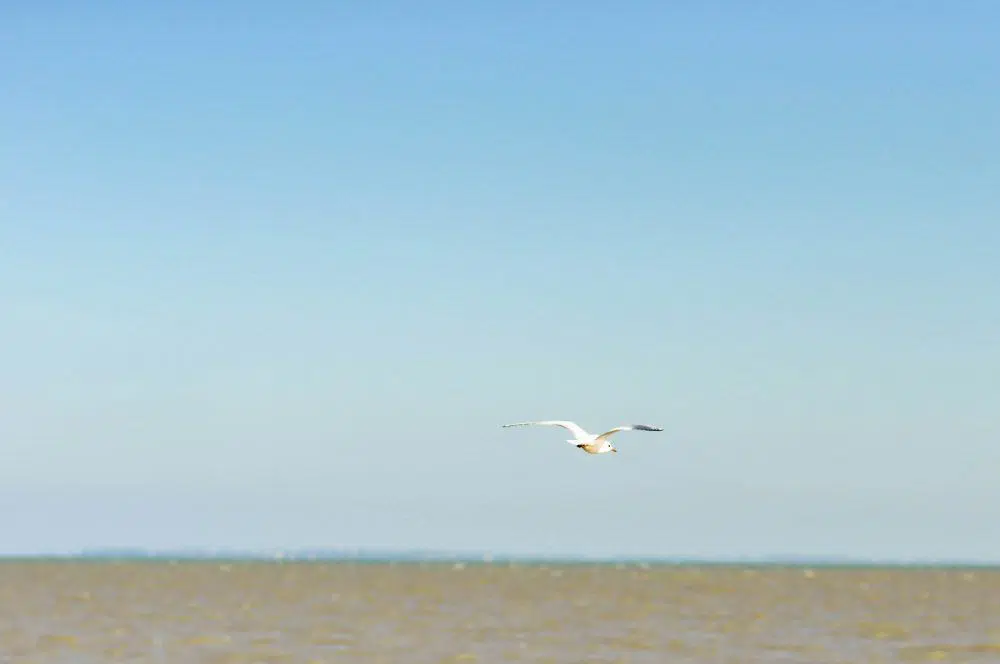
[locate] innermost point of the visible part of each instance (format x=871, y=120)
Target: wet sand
x=244, y=612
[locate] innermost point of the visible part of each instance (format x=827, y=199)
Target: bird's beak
x=615, y=450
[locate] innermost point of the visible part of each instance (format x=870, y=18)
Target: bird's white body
x=595, y=447
x=589, y=442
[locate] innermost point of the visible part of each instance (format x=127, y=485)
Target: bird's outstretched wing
x=577, y=431
x=627, y=427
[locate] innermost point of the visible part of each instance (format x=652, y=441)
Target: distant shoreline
x=485, y=559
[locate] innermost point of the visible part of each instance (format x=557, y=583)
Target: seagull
x=588, y=442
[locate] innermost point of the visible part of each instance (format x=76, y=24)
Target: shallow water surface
x=246, y=612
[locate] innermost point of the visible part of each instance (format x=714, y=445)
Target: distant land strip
x=420, y=556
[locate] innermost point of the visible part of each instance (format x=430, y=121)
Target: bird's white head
x=608, y=447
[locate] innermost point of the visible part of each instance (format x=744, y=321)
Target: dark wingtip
x=646, y=427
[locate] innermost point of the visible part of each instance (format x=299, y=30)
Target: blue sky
x=274, y=276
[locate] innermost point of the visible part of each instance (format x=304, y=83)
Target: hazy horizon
x=363, y=555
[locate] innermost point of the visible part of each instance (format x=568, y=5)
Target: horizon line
x=407, y=556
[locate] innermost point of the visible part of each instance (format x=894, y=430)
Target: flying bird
x=588, y=442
